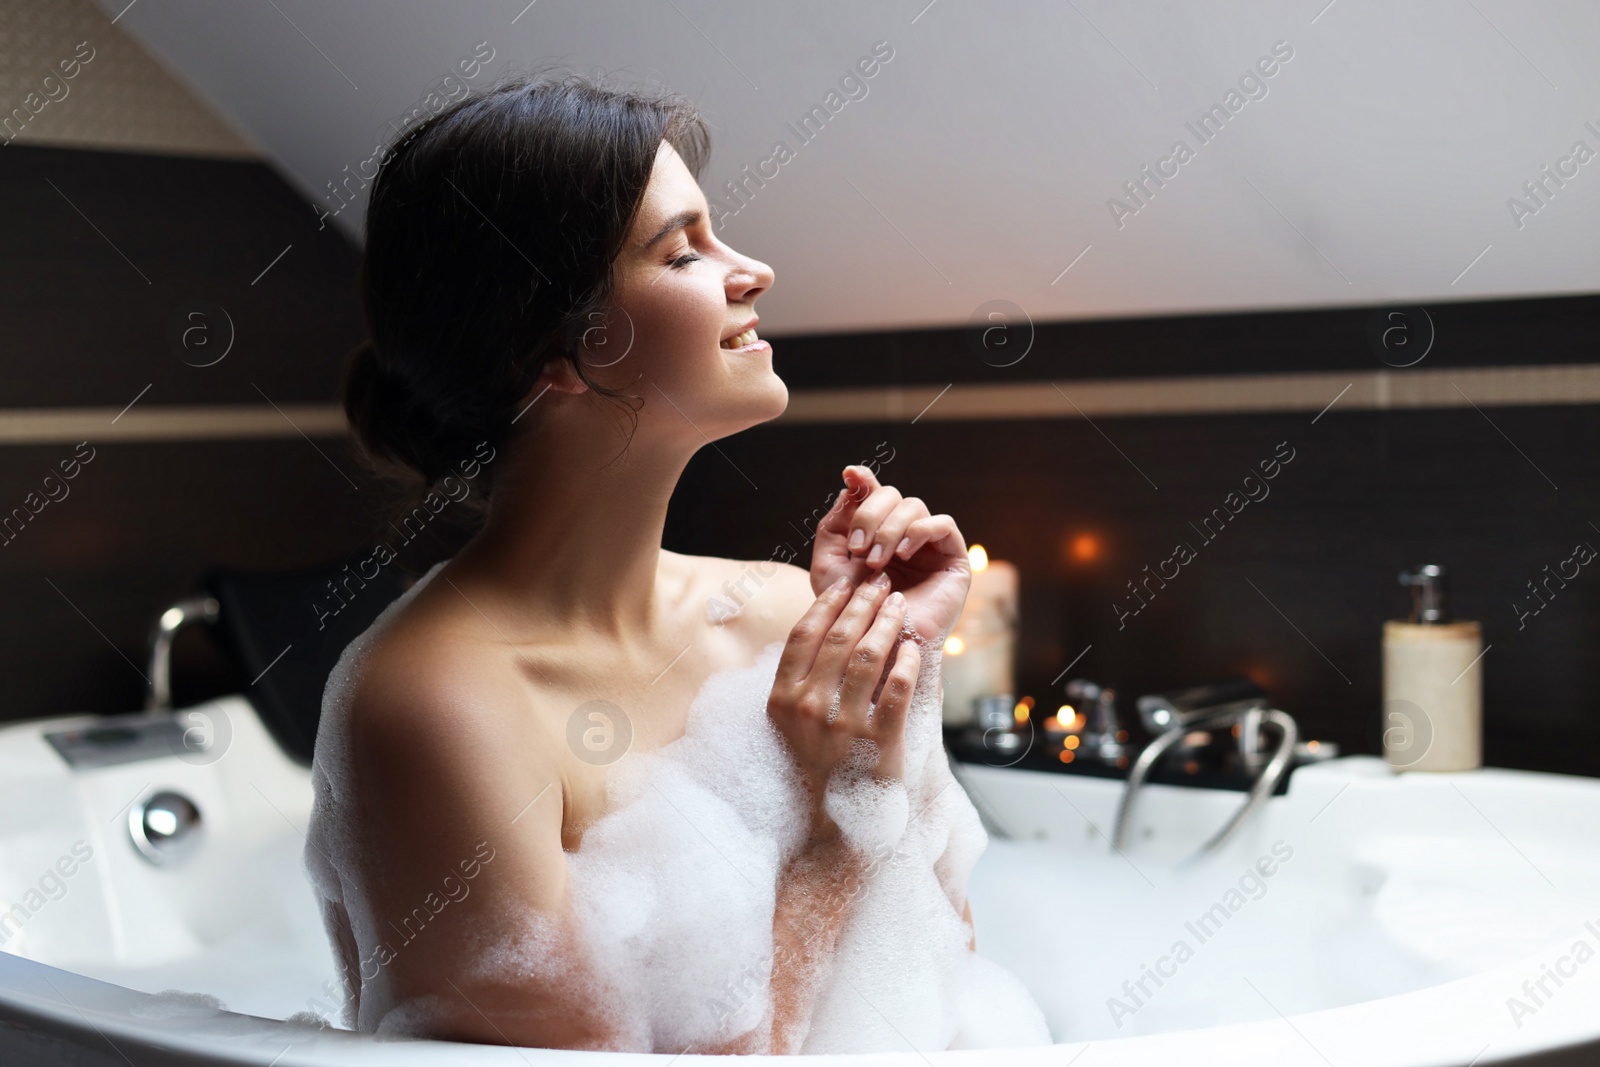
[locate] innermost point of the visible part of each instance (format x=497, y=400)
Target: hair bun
x=361, y=374
x=376, y=405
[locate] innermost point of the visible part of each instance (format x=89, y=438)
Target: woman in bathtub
x=551, y=310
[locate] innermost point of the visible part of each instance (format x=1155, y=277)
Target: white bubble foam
x=674, y=888
x=178, y=1003
x=871, y=813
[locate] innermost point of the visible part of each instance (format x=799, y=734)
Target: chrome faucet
x=184, y=613
x=1174, y=716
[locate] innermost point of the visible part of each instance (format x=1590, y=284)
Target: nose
x=749, y=279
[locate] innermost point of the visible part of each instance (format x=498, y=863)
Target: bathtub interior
x=1391, y=884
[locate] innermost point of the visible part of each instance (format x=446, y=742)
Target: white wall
x=980, y=163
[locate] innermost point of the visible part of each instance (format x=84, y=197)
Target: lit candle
x=980, y=653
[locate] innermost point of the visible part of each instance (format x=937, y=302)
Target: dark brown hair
x=492, y=228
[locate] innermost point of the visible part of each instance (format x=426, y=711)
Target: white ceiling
x=1377, y=169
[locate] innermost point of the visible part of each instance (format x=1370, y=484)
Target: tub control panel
x=120, y=739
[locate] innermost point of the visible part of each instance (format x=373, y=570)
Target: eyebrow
x=676, y=222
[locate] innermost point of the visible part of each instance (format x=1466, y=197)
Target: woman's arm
x=833, y=663
x=464, y=911
x=814, y=897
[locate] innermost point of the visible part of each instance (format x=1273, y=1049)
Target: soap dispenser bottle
x=1432, y=682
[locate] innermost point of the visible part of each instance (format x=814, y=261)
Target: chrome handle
x=1103, y=737
x=164, y=826
x=1163, y=711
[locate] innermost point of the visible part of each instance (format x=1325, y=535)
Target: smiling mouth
x=741, y=340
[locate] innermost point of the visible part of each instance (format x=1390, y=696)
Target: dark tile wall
x=1472, y=334
x=101, y=249
x=98, y=251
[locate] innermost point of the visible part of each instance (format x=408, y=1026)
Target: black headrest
x=284, y=632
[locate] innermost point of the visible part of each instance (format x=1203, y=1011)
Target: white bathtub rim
x=1454, y=1023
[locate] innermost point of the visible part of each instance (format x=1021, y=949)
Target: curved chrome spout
x=175, y=618
x=1262, y=788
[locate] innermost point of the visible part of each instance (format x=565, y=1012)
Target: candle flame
x=978, y=556
x=954, y=645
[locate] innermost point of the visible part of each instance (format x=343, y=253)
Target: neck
x=573, y=536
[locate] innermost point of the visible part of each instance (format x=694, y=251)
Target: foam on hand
x=673, y=890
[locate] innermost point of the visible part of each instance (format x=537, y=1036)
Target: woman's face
x=680, y=293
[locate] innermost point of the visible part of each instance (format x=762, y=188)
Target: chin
x=763, y=407
x=763, y=401
x=780, y=396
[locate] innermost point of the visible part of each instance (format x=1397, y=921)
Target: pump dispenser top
x=1427, y=593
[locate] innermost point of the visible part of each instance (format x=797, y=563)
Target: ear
x=559, y=376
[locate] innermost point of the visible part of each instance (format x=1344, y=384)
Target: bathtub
x=1363, y=918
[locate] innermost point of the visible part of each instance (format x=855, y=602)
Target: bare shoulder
x=760, y=599
x=435, y=714
x=419, y=673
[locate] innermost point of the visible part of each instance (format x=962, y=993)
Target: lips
x=745, y=335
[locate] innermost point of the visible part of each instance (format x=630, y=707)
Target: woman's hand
x=873, y=528
x=831, y=667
